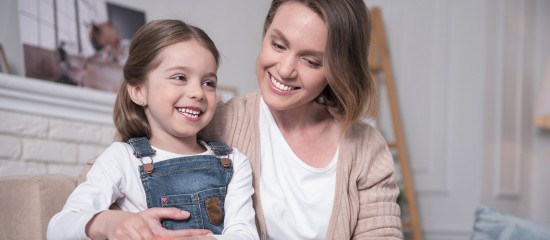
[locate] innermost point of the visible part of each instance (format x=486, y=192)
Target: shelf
x=41, y=97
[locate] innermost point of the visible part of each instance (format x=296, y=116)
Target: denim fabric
x=142, y=147
x=220, y=148
x=197, y=184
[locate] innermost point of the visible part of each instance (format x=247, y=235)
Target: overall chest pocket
x=206, y=209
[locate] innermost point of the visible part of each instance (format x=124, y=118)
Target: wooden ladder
x=381, y=67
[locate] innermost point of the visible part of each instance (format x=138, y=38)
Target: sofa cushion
x=82, y=175
x=29, y=202
x=492, y=224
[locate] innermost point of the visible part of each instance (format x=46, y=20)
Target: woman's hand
x=121, y=225
x=153, y=216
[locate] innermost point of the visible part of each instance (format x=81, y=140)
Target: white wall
x=235, y=26
x=540, y=192
x=466, y=73
x=51, y=128
x=438, y=58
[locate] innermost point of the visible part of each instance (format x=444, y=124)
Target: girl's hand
x=153, y=216
x=118, y=225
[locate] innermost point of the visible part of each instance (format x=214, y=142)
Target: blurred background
x=469, y=81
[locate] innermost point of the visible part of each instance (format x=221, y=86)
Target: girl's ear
x=138, y=94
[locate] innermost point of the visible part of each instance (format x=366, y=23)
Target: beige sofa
x=28, y=202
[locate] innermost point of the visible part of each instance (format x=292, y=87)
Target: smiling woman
x=314, y=163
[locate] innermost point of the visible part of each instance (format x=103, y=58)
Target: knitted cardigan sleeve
x=367, y=204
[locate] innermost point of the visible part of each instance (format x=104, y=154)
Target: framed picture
x=4, y=68
x=83, y=44
x=226, y=92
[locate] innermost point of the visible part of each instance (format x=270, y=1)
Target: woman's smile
x=280, y=87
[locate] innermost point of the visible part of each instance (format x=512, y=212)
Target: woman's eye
x=313, y=64
x=277, y=46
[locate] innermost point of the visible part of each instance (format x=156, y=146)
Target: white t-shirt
x=296, y=198
x=115, y=177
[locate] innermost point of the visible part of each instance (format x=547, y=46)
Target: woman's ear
x=138, y=94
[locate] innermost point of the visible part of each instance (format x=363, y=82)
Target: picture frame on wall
x=4, y=67
x=83, y=44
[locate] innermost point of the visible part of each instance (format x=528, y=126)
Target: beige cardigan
x=364, y=202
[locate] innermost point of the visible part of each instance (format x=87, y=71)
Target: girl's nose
x=195, y=90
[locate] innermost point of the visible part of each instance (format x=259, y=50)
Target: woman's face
x=290, y=66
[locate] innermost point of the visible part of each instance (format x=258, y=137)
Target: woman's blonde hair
x=351, y=93
x=129, y=118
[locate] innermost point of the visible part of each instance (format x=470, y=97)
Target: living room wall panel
x=423, y=96
x=440, y=88
x=516, y=56
x=540, y=195
x=510, y=90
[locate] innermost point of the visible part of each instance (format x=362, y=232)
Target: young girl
x=168, y=95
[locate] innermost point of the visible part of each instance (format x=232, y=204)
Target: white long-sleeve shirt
x=114, y=177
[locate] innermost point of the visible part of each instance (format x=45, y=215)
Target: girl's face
x=180, y=94
x=290, y=64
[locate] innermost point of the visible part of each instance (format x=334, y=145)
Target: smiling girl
x=168, y=95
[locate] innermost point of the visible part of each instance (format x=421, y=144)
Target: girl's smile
x=191, y=113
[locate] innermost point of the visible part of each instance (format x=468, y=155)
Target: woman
x=303, y=133
x=318, y=171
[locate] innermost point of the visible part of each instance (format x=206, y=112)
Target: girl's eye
x=180, y=77
x=210, y=83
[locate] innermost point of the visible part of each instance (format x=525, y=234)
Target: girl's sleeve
x=379, y=214
x=239, y=220
x=94, y=195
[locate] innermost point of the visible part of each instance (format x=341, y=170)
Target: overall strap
x=222, y=151
x=142, y=147
x=220, y=148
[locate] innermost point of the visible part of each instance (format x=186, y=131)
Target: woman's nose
x=287, y=67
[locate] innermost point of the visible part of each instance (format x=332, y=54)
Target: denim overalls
x=197, y=184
